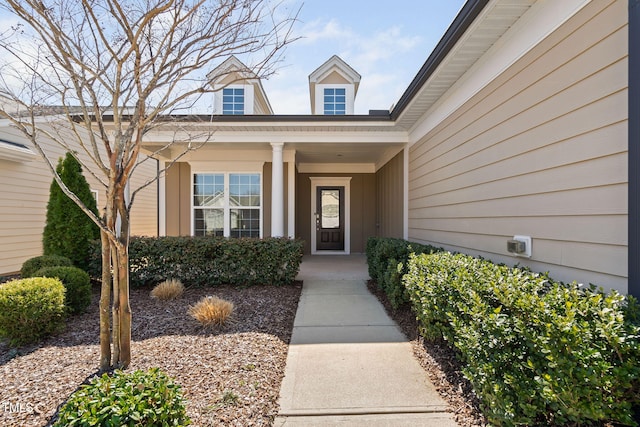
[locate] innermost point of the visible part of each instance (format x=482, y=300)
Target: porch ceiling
x=343, y=153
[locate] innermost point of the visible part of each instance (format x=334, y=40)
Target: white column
x=277, y=190
x=405, y=195
x=292, y=198
x=162, y=203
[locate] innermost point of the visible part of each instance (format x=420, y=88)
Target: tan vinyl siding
x=541, y=151
x=144, y=214
x=178, y=196
x=24, y=193
x=389, y=188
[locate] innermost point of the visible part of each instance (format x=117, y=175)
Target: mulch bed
x=230, y=375
x=440, y=364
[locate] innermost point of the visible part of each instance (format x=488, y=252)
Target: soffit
x=493, y=22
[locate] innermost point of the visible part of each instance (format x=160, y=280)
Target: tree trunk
x=105, y=302
x=124, y=308
x=115, y=332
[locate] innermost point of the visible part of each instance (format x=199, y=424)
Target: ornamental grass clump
x=211, y=311
x=168, y=290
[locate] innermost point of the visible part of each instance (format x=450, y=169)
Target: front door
x=330, y=218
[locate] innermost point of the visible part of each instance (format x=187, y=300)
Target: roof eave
x=456, y=30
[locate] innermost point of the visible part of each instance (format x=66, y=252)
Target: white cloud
x=380, y=57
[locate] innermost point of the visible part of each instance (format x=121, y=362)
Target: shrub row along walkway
x=348, y=362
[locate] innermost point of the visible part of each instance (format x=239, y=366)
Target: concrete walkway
x=348, y=362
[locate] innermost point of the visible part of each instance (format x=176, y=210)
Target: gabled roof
x=335, y=64
x=232, y=71
x=231, y=67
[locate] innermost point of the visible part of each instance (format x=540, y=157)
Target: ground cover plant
x=139, y=398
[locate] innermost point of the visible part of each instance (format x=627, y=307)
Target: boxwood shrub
x=30, y=266
x=140, y=398
x=537, y=352
x=76, y=283
x=387, y=260
x=31, y=309
x=209, y=261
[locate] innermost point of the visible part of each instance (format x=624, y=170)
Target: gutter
x=458, y=27
x=633, y=213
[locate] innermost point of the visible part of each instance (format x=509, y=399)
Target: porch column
x=277, y=191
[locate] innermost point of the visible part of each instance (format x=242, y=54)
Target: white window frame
x=226, y=208
x=248, y=98
x=349, y=97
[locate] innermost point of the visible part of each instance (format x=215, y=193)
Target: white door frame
x=322, y=181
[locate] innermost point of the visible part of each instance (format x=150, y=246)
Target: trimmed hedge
x=30, y=266
x=387, y=260
x=31, y=309
x=209, y=261
x=139, y=398
x=537, y=352
x=77, y=284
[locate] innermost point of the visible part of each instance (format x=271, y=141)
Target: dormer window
x=335, y=101
x=233, y=101
x=333, y=87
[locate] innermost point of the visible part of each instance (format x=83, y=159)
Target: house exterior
x=522, y=122
x=24, y=192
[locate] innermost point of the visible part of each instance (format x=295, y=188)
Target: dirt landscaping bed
x=229, y=375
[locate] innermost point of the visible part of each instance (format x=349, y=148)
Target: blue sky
x=386, y=42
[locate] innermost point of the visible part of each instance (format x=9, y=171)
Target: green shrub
x=210, y=261
x=76, y=283
x=387, y=260
x=32, y=265
x=68, y=229
x=137, y=399
x=536, y=351
x=31, y=309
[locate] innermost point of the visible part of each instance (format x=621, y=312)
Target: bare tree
x=114, y=70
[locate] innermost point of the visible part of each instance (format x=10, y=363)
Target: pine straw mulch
x=230, y=375
x=439, y=362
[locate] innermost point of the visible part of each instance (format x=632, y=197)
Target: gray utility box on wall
x=520, y=246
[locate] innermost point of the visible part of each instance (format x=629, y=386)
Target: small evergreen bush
x=68, y=230
x=387, y=260
x=77, y=284
x=30, y=266
x=126, y=399
x=31, y=309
